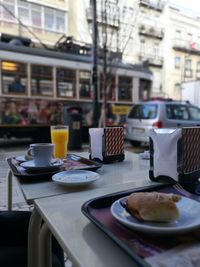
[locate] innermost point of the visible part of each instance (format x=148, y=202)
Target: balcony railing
x=152, y=59
x=112, y=19
x=151, y=31
x=186, y=46
x=157, y=5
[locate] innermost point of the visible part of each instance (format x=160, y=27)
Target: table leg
x=33, y=239
x=9, y=190
x=45, y=257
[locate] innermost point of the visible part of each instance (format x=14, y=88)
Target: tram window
x=85, y=84
x=66, y=82
x=125, y=88
x=14, y=77
x=41, y=80
x=111, y=87
x=144, y=89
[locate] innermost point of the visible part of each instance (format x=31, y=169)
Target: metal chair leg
x=45, y=254
x=33, y=239
x=9, y=190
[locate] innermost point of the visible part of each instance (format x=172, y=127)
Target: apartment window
x=198, y=70
x=23, y=12
x=48, y=19
x=142, y=47
x=189, y=36
x=60, y=21
x=8, y=10
x=177, y=87
x=127, y=12
x=198, y=66
x=36, y=15
x=156, y=50
x=188, y=64
x=178, y=34
x=54, y=20
x=188, y=69
x=177, y=62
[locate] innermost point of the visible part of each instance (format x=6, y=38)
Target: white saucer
x=30, y=165
x=75, y=177
x=21, y=158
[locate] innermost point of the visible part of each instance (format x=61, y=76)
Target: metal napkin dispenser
x=107, y=144
x=175, y=157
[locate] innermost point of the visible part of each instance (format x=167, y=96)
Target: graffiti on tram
x=28, y=112
x=15, y=111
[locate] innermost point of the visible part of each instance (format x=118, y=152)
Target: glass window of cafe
x=111, y=87
x=41, y=80
x=66, y=82
x=125, y=88
x=14, y=77
x=85, y=84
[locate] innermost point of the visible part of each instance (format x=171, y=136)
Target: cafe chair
x=14, y=240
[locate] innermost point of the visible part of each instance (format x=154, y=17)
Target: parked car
x=158, y=114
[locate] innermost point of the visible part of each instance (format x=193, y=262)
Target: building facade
x=182, y=50
x=154, y=32
x=42, y=21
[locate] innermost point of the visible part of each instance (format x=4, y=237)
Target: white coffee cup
x=42, y=154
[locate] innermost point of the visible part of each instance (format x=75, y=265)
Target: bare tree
x=110, y=61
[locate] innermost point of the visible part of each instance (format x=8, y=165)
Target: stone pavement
x=18, y=199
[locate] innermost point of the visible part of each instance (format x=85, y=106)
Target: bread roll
x=153, y=206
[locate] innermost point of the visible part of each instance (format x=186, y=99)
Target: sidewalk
x=18, y=199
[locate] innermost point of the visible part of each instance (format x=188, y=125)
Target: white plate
x=189, y=218
x=75, y=177
x=21, y=158
x=30, y=165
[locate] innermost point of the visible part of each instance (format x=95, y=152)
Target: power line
x=22, y=24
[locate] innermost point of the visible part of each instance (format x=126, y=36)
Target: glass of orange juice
x=60, y=137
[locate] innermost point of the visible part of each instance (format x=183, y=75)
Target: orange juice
x=59, y=137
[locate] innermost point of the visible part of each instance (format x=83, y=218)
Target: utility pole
x=102, y=122
x=95, y=65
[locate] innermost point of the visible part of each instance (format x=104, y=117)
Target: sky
x=188, y=4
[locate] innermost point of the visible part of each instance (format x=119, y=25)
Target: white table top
x=131, y=170
x=84, y=243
